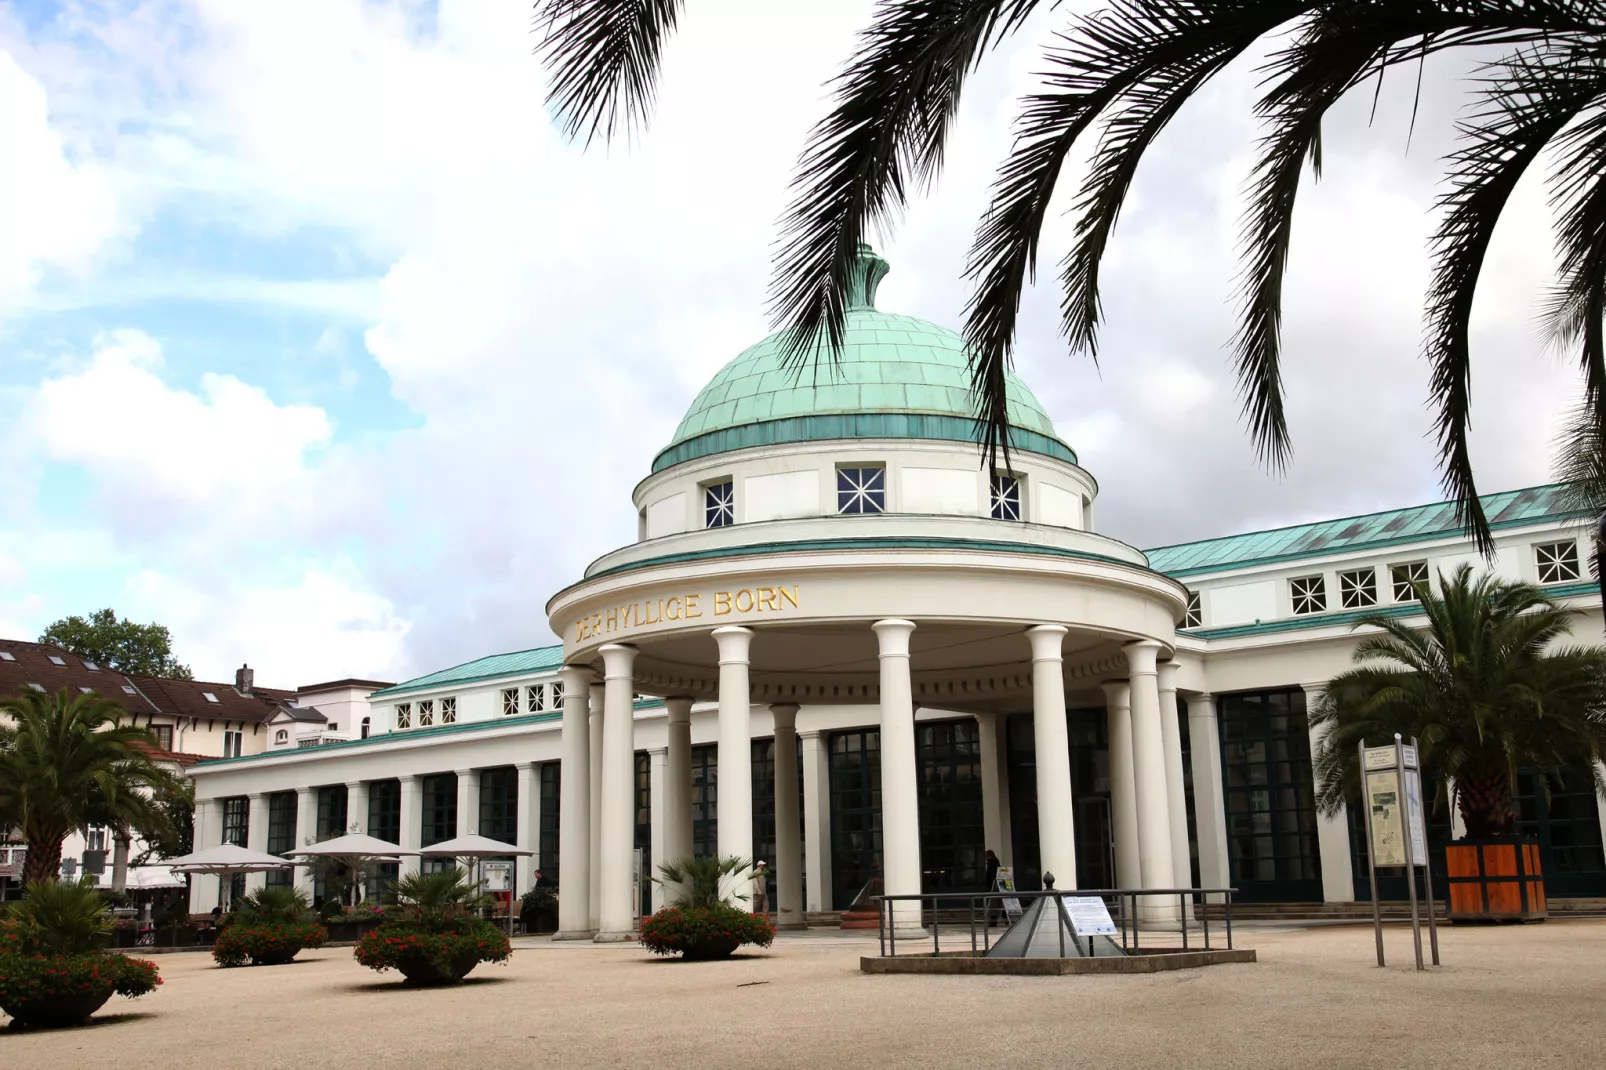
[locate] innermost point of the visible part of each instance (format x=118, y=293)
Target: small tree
x=699, y=881
x=137, y=649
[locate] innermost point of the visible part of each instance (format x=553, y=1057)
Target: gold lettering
x=579, y=630
x=672, y=608
x=741, y=608
x=722, y=603
x=694, y=606
x=766, y=598
x=648, y=618
x=787, y=596
x=596, y=625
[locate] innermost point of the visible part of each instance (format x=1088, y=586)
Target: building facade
x=842, y=646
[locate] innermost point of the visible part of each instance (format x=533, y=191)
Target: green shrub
x=433, y=934
x=65, y=917
x=705, y=932
x=265, y=943
x=53, y=970
x=701, y=880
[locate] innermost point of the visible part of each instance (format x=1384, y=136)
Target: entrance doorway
x=1270, y=797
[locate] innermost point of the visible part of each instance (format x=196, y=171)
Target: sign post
x=1396, y=832
x=1005, y=882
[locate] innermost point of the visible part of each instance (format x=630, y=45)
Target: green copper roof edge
x=1195, y=570
x=391, y=737
x=888, y=542
x=408, y=687
x=1349, y=616
x=824, y=427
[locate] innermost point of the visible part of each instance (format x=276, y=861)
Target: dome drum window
x=1005, y=497
x=535, y=698
x=555, y=693
x=719, y=504
x=404, y=715
x=1309, y=594
x=510, y=702
x=1405, y=577
x=1357, y=589
x=861, y=490
x=449, y=710
x=1193, y=616
x=1557, y=561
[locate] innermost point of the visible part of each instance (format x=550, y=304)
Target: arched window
x=281, y=736
x=364, y=728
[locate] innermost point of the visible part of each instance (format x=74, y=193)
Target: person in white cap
x=761, y=889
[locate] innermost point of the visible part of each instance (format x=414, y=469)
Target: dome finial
x=867, y=272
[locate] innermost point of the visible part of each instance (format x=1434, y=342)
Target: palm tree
x=701, y=880
x=65, y=763
x=1485, y=689
x=276, y=904
x=1115, y=79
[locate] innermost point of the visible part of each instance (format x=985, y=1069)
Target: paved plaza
x=1508, y=997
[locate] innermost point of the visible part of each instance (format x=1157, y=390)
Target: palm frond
x=606, y=55
x=884, y=136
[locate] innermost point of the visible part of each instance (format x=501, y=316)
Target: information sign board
x=1005, y=882
x=1415, y=818
x=1383, y=805
x=1089, y=916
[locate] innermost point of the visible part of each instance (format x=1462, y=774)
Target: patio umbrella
x=354, y=850
x=224, y=862
x=478, y=847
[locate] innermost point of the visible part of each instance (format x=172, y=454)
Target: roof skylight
x=208, y=696
x=128, y=689
x=57, y=659
x=6, y=655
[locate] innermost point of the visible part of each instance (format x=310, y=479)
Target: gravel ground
x=1508, y=997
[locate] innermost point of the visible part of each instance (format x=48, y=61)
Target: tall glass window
x=705, y=800
x=384, y=823
x=236, y=827
x=1270, y=797
x=331, y=811
x=644, y=827
x=719, y=504
x=551, y=818
x=439, y=812
x=948, y=760
x=499, y=804
x=1005, y=497
x=855, y=813
x=281, y=834
x=1562, y=813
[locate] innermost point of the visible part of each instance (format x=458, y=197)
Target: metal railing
x=1121, y=902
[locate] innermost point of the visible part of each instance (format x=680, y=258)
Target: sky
x=320, y=344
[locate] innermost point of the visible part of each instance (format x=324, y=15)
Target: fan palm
x=702, y=880
x=65, y=764
x=438, y=897
x=68, y=917
x=1114, y=80
x=1484, y=688
x=276, y=904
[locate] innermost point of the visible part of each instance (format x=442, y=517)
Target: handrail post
x=1228, y=902
x=936, y=927
x=1182, y=917
x=881, y=925
x=892, y=926
x=1204, y=917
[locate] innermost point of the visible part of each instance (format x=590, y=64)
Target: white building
x=826, y=584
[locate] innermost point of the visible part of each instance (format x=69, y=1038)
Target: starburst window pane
x=1309, y=594
x=426, y=712
x=555, y=693
x=719, y=505
x=861, y=490
x=1005, y=497
x=510, y=701
x=1404, y=577
x=1194, y=616
x=404, y=715
x=1357, y=589
x=449, y=710
x=1558, y=561
x=535, y=696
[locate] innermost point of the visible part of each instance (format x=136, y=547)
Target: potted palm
x=701, y=922
x=269, y=927
x=1487, y=688
x=54, y=966
x=434, y=934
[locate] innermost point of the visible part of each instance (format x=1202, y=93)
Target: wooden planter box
x=1495, y=879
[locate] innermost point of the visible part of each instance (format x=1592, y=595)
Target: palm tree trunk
x=1484, y=798
x=43, y=860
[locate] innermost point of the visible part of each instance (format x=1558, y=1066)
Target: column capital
x=349, y=784
x=408, y=778
x=893, y=636
x=462, y=772
x=1047, y=642
x=255, y=795
x=1117, y=693
x=678, y=709
x=617, y=659
x=734, y=642
x=301, y=793
x=785, y=714
x=1312, y=688
x=576, y=680
x=1167, y=671
x=657, y=752
x=809, y=733
x=1201, y=697
x=1141, y=657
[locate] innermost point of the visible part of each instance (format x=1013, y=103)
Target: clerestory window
x=861, y=490
x=1309, y=594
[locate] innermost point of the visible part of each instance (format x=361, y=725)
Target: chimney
x=243, y=679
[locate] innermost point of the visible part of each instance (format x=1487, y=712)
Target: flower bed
x=39, y=989
x=265, y=943
x=431, y=955
x=704, y=932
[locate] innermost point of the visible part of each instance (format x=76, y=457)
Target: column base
x=615, y=937
x=791, y=926
x=574, y=934
x=911, y=932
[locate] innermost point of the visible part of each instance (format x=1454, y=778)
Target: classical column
x=1056, y=825
x=1332, y=832
x=468, y=802
x=574, y=809
x=992, y=788
x=1176, y=791
x=204, y=890
x=618, y=814
x=356, y=806
x=735, y=746
x=120, y=845
x=527, y=825
x=306, y=832
x=594, y=903
x=900, y=800
x=816, y=819
x=788, y=851
x=1148, y=774
x=658, y=783
x=677, y=772
x=1209, y=799
x=1123, y=795
x=256, y=836
x=412, y=823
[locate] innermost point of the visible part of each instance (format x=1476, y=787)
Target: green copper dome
x=895, y=377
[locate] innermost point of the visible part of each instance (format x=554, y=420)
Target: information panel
x=1089, y=916
x=1006, y=883
x=1416, y=818
x=1383, y=804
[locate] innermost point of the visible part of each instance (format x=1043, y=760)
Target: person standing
x=761, y=889
x=992, y=885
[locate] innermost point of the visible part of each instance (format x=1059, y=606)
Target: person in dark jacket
x=992, y=886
